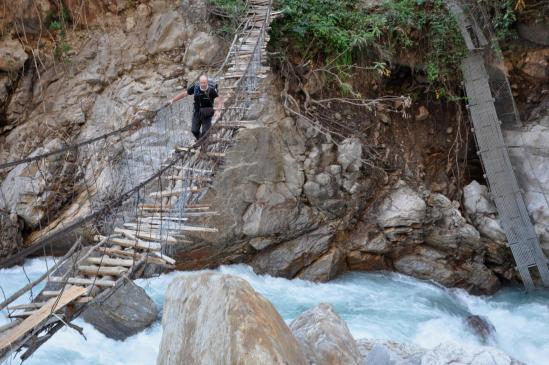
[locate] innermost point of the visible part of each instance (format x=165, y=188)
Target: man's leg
x=206, y=124
x=195, y=125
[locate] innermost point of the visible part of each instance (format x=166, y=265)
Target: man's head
x=203, y=82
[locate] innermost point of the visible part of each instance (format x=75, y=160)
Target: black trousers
x=198, y=122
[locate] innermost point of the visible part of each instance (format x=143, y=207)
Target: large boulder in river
x=326, y=337
x=211, y=318
x=127, y=311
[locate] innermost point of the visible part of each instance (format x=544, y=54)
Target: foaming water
x=374, y=305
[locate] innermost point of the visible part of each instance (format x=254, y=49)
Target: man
x=204, y=95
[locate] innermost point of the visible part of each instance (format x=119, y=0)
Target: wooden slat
x=108, y=261
x=145, y=235
x=26, y=306
x=144, y=245
x=17, y=333
x=92, y=270
x=174, y=192
x=82, y=281
x=136, y=256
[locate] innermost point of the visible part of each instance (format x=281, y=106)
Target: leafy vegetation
x=351, y=33
x=232, y=11
x=59, y=21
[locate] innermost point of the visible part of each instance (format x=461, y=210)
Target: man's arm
x=181, y=95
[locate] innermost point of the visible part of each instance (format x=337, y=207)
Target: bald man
x=204, y=95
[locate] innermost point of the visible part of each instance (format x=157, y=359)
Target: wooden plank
x=136, y=256
x=193, y=150
x=53, y=305
x=26, y=306
x=192, y=178
x=82, y=281
x=108, y=261
x=144, y=245
x=145, y=235
x=165, y=257
x=174, y=192
x=50, y=293
x=92, y=270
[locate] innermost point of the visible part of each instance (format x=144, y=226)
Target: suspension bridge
x=491, y=106
x=138, y=223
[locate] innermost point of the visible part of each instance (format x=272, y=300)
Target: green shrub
x=347, y=32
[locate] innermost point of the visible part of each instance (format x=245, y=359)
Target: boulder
x=127, y=311
x=403, y=207
x=481, y=327
x=325, y=268
x=537, y=32
x=349, y=154
x=166, y=32
x=482, y=211
x=12, y=55
x=536, y=63
x=202, y=50
x=448, y=230
x=325, y=337
x=211, y=318
x=288, y=258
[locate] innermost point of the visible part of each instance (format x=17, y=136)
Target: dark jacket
x=203, y=99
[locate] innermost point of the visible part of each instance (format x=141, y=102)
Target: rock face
x=127, y=311
x=10, y=234
x=325, y=337
x=219, y=319
x=531, y=163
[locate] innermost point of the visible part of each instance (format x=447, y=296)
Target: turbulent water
x=374, y=305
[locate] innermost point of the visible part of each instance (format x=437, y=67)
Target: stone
x=403, y=207
x=11, y=239
x=326, y=268
x=12, y=55
x=449, y=230
x=476, y=199
x=326, y=337
x=445, y=353
x=130, y=23
x=536, y=63
x=288, y=258
x=536, y=32
x=202, y=50
x=166, y=32
x=481, y=327
x=349, y=154
x=422, y=113
x=211, y=318
x=128, y=311
x=364, y=261
x=143, y=10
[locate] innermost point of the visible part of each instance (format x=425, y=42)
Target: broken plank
x=18, y=333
